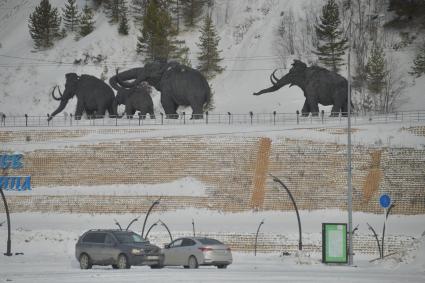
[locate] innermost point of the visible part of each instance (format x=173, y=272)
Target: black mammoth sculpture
x=319, y=86
x=94, y=96
x=135, y=99
x=179, y=85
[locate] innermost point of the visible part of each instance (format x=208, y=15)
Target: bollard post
x=3, y=116
x=274, y=117
x=184, y=118
x=139, y=119
x=323, y=116
x=162, y=118
x=230, y=114
x=298, y=117
x=251, y=115
x=206, y=119
x=26, y=120
x=48, y=120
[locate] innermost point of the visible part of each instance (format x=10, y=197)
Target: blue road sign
x=385, y=201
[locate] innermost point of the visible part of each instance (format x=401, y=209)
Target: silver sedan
x=192, y=252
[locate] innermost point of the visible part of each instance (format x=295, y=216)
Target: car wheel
x=85, y=262
x=193, y=263
x=123, y=262
x=114, y=266
x=222, y=266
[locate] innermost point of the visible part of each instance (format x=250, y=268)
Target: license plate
x=150, y=257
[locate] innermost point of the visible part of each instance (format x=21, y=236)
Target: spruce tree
x=209, y=57
x=157, y=33
x=418, y=67
x=376, y=73
x=71, y=16
x=44, y=25
x=114, y=10
x=86, y=21
x=138, y=11
x=332, y=44
x=123, y=26
x=192, y=10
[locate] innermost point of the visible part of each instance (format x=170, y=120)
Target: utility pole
x=349, y=176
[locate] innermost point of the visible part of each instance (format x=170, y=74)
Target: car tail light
x=204, y=250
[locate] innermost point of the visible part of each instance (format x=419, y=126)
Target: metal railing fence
x=274, y=118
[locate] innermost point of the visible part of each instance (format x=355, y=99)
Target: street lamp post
x=150, y=228
x=349, y=177
x=256, y=237
x=147, y=214
x=168, y=230
x=193, y=227
x=131, y=222
x=9, y=242
x=300, y=243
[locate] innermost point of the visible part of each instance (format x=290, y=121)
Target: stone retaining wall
x=234, y=169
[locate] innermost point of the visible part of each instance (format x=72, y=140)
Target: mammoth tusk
x=118, y=80
x=271, y=79
x=60, y=92
x=274, y=76
x=53, y=93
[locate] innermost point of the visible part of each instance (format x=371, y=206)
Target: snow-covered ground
x=48, y=243
x=49, y=257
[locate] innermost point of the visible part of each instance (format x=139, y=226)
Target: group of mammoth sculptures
x=181, y=85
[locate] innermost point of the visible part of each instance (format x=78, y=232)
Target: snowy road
x=246, y=268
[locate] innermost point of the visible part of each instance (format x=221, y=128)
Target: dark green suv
x=118, y=248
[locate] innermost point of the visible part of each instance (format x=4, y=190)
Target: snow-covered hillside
x=246, y=28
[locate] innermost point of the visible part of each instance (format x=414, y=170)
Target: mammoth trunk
x=127, y=79
x=59, y=109
x=276, y=84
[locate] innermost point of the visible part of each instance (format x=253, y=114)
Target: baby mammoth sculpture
x=179, y=85
x=319, y=86
x=135, y=99
x=94, y=96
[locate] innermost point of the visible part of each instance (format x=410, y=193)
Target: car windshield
x=129, y=238
x=207, y=241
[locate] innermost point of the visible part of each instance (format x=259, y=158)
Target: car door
x=110, y=251
x=171, y=252
x=187, y=249
x=93, y=244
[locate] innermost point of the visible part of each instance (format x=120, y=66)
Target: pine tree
x=376, y=73
x=86, y=21
x=192, y=10
x=157, y=33
x=44, y=25
x=332, y=45
x=114, y=10
x=418, y=67
x=123, y=26
x=209, y=57
x=71, y=16
x=138, y=11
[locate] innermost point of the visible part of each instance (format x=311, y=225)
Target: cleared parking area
x=56, y=267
